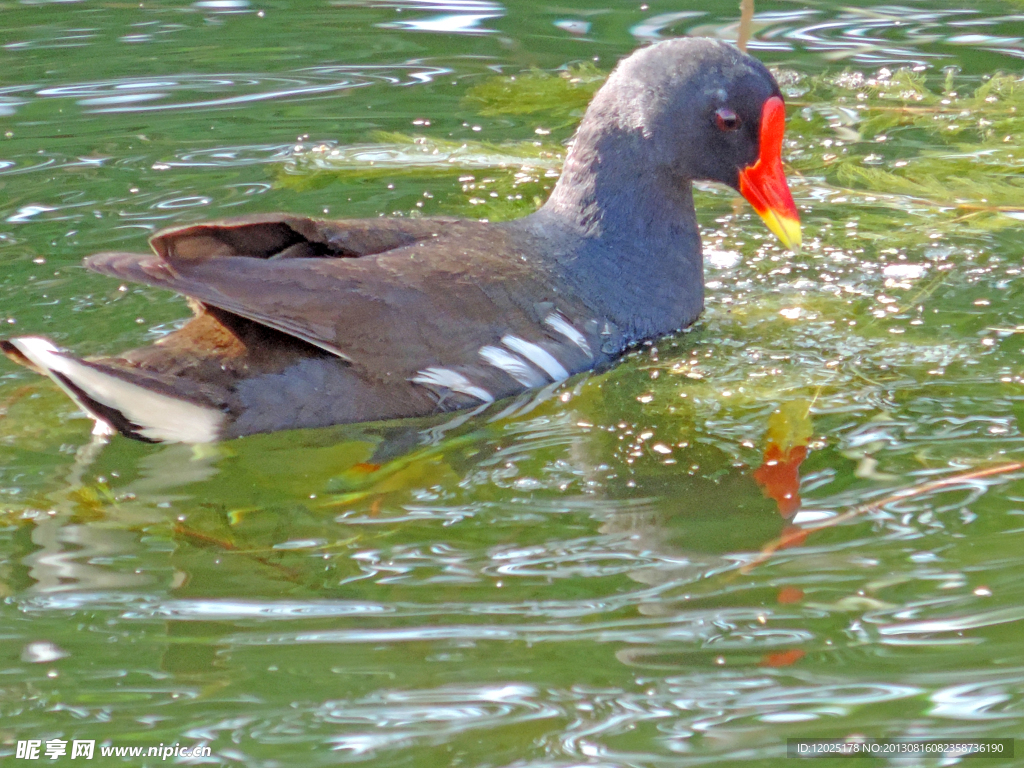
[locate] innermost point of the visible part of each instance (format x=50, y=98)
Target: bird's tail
x=118, y=400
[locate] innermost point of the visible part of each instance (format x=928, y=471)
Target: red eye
x=727, y=120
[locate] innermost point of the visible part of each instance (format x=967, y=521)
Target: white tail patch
x=560, y=325
x=513, y=365
x=453, y=380
x=100, y=428
x=536, y=355
x=155, y=416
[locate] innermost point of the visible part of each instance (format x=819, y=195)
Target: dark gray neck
x=626, y=235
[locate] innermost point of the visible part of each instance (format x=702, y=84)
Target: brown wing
x=280, y=236
x=444, y=289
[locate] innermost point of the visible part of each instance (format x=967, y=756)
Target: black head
x=675, y=112
x=698, y=104
x=679, y=111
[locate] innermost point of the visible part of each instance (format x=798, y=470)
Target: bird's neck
x=633, y=241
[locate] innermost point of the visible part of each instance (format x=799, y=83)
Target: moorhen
x=303, y=322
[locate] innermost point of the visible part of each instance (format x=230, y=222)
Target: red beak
x=764, y=183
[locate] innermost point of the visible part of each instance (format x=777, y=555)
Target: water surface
x=642, y=568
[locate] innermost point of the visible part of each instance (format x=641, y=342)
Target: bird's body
x=304, y=323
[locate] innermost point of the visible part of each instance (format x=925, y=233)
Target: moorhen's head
x=696, y=109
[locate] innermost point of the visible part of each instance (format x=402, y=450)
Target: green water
x=592, y=579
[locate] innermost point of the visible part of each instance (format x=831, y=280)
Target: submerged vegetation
x=969, y=141
x=565, y=94
x=848, y=134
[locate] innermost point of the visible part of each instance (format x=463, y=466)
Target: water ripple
x=981, y=700
x=953, y=623
x=874, y=35
x=205, y=91
x=404, y=717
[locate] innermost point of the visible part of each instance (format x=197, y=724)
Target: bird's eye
x=726, y=119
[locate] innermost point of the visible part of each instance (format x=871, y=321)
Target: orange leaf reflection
x=789, y=595
x=782, y=658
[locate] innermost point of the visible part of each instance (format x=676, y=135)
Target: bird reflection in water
x=789, y=432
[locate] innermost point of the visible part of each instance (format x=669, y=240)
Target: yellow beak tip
x=785, y=228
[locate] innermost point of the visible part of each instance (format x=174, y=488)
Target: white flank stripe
x=562, y=326
x=158, y=416
x=453, y=380
x=513, y=365
x=536, y=355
